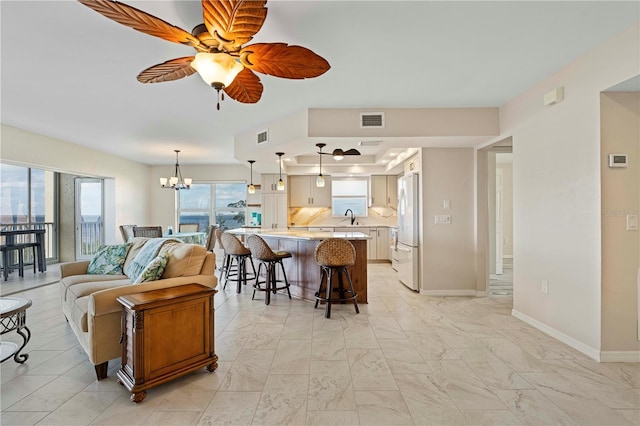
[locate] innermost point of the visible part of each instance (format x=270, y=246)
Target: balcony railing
x=91, y=237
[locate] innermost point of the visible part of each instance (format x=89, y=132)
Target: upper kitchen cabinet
x=303, y=192
x=384, y=191
x=270, y=184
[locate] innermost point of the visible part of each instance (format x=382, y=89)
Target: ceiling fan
x=339, y=154
x=222, y=61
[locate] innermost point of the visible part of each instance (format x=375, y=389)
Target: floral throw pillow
x=109, y=260
x=153, y=271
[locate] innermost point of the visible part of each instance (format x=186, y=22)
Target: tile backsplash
x=321, y=216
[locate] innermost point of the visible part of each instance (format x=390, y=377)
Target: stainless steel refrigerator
x=408, y=241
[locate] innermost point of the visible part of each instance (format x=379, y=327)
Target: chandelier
x=176, y=181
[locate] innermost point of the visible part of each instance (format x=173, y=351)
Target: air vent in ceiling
x=369, y=143
x=263, y=137
x=373, y=120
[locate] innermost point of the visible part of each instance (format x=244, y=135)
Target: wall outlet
x=544, y=286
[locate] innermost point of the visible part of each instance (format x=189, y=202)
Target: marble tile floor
x=502, y=285
x=405, y=359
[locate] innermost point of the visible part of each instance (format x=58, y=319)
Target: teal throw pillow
x=109, y=260
x=153, y=271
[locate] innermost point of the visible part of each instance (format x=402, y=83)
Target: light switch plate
x=443, y=219
x=632, y=222
x=446, y=204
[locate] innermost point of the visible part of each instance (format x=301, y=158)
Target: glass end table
x=13, y=316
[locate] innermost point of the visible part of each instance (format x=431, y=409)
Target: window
x=225, y=202
x=349, y=193
x=28, y=198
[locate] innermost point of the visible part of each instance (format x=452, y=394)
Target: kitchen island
x=302, y=271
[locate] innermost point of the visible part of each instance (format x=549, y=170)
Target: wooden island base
x=302, y=271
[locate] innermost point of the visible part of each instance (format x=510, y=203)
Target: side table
x=13, y=316
x=165, y=334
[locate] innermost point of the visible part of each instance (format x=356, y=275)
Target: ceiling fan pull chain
x=218, y=106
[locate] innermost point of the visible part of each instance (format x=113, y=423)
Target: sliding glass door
x=89, y=217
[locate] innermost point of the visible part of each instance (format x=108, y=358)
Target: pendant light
x=280, y=186
x=251, y=189
x=320, y=178
x=176, y=181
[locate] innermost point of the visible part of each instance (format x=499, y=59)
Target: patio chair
x=127, y=232
x=147, y=231
x=188, y=227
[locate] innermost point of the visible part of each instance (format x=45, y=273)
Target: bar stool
x=267, y=257
x=236, y=251
x=6, y=262
x=225, y=257
x=335, y=255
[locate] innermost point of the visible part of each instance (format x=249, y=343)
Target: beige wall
x=556, y=168
x=620, y=130
x=131, y=178
x=448, y=257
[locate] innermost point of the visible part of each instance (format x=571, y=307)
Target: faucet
x=353, y=216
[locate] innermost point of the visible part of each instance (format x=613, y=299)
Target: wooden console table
x=165, y=334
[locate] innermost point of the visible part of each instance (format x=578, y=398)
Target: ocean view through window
x=220, y=203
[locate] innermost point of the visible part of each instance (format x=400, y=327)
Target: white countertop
x=300, y=234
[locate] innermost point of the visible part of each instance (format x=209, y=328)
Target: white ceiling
x=70, y=73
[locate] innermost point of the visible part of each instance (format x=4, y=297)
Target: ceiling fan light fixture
x=338, y=154
x=217, y=69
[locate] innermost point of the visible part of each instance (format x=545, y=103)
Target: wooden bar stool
x=236, y=251
x=335, y=255
x=267, y=257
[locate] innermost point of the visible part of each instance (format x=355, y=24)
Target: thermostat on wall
x=617, y=160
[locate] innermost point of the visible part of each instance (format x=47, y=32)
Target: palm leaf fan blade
x=246, y=87
x=141, y=21
x=173, y=69
x=282, y=60
x=235, y=21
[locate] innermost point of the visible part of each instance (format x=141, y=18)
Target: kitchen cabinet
x=383, y=250
x=303, y=192
x=270, y=184
x=384, y=191
x=378, y=245
x=274, y=210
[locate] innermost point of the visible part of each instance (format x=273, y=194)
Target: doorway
x=494, y=216
x=501, y=273
x=89, y=214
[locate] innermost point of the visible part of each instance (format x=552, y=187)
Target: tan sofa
x=89, y=301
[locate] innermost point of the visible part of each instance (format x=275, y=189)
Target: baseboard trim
x=449, y=292
x=575, y=344
x=482, y=293
x=620, y=356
